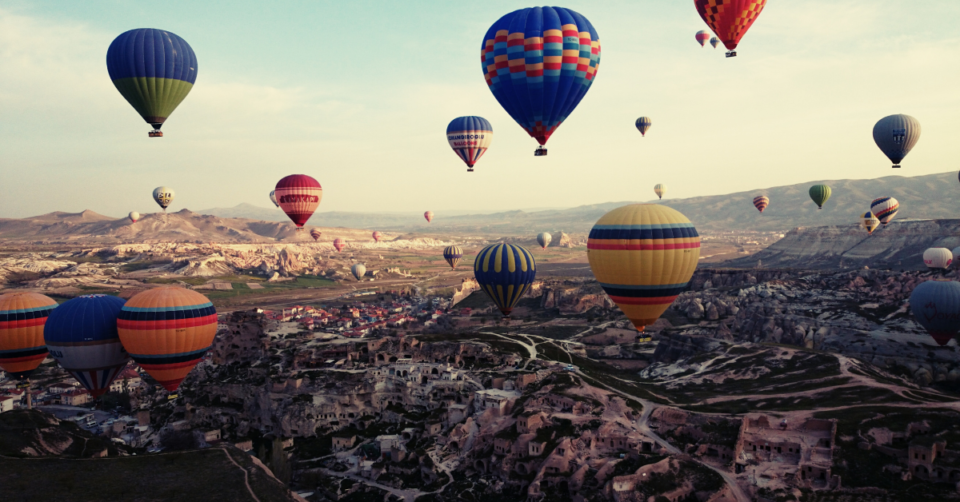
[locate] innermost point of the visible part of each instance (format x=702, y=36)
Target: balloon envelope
x=163, y=196
x=339, y=244
x=81, y=334
x=643, y=125
x=544, y=239
x=643, y=255
x=660, y=189
x=702, y=37
x=134, y=216
x=820, y=194
x=428, y=216
x=298, y=196
x=315, y=234
x=937, y=258
x=869, y=222
x=273, y=198
x=358, y=270
x=896, y=135
x=452, y=254
x=885, y=209
x=714, y=42
x=956, y=254
x=936, y=306
x=167, y=331
x=377, y=236
x=154, y=70
x=731, y=19
x=761, y=202
x=469, y=137
x=504, y=272
x=22, y=317
x=539, y=63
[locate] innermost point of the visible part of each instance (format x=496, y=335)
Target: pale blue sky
x=358, y=95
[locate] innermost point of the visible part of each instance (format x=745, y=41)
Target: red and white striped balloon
x=298, y=195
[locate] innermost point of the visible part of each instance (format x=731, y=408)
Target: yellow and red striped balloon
x=761, y=202
x=22, y=318
x=167, y=331
x=643, y=256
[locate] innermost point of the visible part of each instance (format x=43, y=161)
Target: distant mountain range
x=922, y=197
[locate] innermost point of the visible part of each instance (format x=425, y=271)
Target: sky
x=358, y=95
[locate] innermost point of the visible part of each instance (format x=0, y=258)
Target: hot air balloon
x=504, y=272
x=660, y=189
x=298, y=195
x=134, y=216
x=643, y=125
x=273, y=198
x=820, y=194
x=358, y=270
x=956, y=254
x=154, y=70
x=714, y=42
x=885, y=208
x=936, y=306
x=163, y=196
x=869, y=222
x=896, y=135
x=761, y=202
x=544, y=239
x=643, y=255
x=377, y=236
x=82, y=336
x=702, y=37
x=469, y=137
x=22, y=316
x=167, y=330
x=428, y=216
x=729, y=19
x=339, y=244
x=937, y=258
x=452, y=254
x=315, y=234
x=539, y=63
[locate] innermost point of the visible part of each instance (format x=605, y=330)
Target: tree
x=277, y=460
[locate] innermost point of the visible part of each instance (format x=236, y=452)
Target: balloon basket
x=896, y=166
x=732, y=54
x=155, y=134
x=469, y=169
x=540, y=152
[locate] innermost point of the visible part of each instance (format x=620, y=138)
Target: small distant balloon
x=163, y=197
x=134, y=216
x=428, y=216
x=504, y=272
x=660, y=189
x=273, y=198
x=936, y=306
x=544, y=239
x=358, y=270
x=885, y=209
x=469, y=137
x=643, y=125
x=869, y=222
x=315, y=234
x=820, y=194
x=452, y=254
x=339, y=244
x=730, y=20
x=299, y=196
x=702, y=36
x=896, y=135
x=377, y=236
x=761, y=202
x=714, y=42
x=937, y=258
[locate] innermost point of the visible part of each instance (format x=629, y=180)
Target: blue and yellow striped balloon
x=643, y=255
x=505, y=272
x=453, y=255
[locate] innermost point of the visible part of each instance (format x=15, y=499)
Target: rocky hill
x=899, y=245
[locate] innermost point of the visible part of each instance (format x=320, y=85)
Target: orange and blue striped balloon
x=505, y=272
x=167, y=331
x=22, y=317
x=643, y=255
x=453, y=255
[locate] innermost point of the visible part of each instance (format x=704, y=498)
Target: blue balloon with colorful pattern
x=469, y=137
x=154, y=70
x=539, y=63
x=505, y=272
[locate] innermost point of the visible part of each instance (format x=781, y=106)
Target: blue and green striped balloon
x=154, y=70
x=505, y=272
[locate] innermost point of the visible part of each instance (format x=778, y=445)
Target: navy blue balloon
x=81, y=334
x=936, y=306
